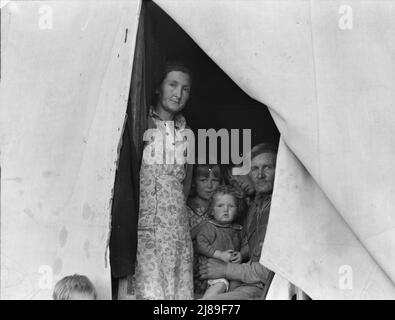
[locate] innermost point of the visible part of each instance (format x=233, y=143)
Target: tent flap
x=64, y=90
x=330, y=92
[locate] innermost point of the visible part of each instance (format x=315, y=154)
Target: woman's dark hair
x=222, y=190
x=176, y=65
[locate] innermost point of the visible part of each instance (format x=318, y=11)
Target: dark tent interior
x=216, y=101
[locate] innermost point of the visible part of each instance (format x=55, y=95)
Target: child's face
x=225, y=209
x=206, y=185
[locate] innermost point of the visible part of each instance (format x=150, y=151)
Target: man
x=252, y=274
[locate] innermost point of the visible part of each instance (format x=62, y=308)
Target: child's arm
x=196, y=229
x=243, y=255
x=204, y=239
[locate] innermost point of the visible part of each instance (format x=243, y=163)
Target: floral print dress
x=164, y=251
x=197, y=215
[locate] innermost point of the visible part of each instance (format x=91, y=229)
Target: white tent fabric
x=63, y=94
x=329, y=84
x=282, y=289
x=66, y=68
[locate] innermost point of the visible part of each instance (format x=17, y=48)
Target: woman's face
x=224, y=209
x=206, y=185
x=174, y=91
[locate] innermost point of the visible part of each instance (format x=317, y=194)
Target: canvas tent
x=64, y=91
x=325, y=71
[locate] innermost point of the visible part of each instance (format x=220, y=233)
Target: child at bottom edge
x=74, y=287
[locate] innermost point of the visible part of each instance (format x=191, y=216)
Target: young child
x=75, y=287
x=220, y=237
x=244, y=188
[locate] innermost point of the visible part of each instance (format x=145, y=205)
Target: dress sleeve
x=251, y=272
x=205, y=238
x=190, y=217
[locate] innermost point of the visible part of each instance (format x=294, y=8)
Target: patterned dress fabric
x=164, y=252
x=197, y=215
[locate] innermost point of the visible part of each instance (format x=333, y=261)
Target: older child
x=220, y=237
x=206, y=179
x=75, y=287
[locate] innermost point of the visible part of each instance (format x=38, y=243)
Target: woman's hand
x=212, y=269
x=236, y=257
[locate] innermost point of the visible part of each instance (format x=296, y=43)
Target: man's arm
x=250, y=272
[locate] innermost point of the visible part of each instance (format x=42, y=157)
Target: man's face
x=263, y=167
x=174, y=91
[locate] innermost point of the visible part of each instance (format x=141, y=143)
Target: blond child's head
x=225, y=205
x=74, y=287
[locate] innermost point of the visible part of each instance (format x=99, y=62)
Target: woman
x=206, y=179
x=164, y=252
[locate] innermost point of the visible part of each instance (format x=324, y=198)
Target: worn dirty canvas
x=325, y=71
x=66, y=68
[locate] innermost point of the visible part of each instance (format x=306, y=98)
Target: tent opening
x=216, y=102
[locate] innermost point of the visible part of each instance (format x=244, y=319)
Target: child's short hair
x=225, y=189
x=76, y=282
